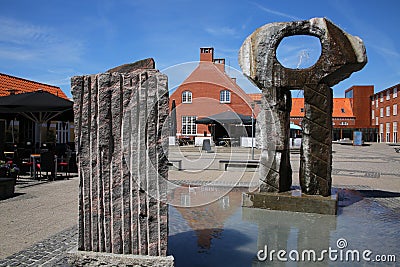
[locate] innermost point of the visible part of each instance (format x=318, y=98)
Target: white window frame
x=187, y=97
x=381, y=96
x=381, y=112
x=387, y=132
x=395, y=132
x=394, y=109
x=376, y=101
x=344, y=123
x=373, y=114
x=395, y=92
x=388, y=111
x=225, y=96
x=62, y=132
x=189, y=127
x=388, y=94
x=376, y=120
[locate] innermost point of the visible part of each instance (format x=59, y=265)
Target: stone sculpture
x=341, y=55
x=122, y=159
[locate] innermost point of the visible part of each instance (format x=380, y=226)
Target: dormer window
x=225, y=96
x=187, y=97
x=301, y=110
x=343, y=111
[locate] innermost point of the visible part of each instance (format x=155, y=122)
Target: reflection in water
x=208, y=220
x=224, y=234
x=290, y=231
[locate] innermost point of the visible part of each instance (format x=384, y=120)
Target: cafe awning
x=227, y=117
x=39, y=106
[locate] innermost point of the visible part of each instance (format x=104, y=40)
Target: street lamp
x=252, y=131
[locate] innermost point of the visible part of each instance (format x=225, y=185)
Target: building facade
x=351, y=113
x=207, y=91
x=384, y=106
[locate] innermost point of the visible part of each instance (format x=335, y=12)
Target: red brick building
x=207, y=91
x=351, y=113
x=384, y=115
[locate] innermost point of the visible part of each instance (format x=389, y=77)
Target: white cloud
x=23, y=41
x=275, y=12
x=222, y=31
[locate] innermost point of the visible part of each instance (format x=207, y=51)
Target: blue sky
x=51, y=41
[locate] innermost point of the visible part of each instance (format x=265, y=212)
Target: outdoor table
x=227, y=141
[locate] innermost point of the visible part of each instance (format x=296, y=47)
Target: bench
x=224, y=164
x=173, y=166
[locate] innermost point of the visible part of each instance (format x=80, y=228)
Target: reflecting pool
x=223, y=233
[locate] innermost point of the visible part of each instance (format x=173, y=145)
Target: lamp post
x=252, y=131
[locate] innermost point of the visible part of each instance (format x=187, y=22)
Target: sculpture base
x=89, y=258
x=291, y=201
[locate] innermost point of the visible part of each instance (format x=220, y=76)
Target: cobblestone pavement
x=373, y=173
x=49, y=252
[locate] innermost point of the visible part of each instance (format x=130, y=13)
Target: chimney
x=207, y=54
x=220, y=63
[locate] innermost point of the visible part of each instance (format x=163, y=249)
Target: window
x=344, y=123
x=62, y=132
x=373, y=114
x=376, y=121
x=189, y=127
x=225, y=96
x=387, y=111
x=372, y=103
x=388, y=132
x=301, y=110
x=395, y=92
x=381, y=112
x=342, y=110
x=376, y=101
x=387, y=94
x=395, y=132
x=381, y=97
x=394, y=109
x=187, y=97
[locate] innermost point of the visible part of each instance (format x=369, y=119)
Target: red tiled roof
x=341, y=107
x=10, y=83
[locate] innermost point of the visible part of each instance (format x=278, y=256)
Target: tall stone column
x=275, y=169
x=316, y=147
x=122, y=162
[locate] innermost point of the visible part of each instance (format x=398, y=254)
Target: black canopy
x=38, y=106
x=227, y=117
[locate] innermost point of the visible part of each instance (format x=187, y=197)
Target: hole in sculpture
x=298, y=51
